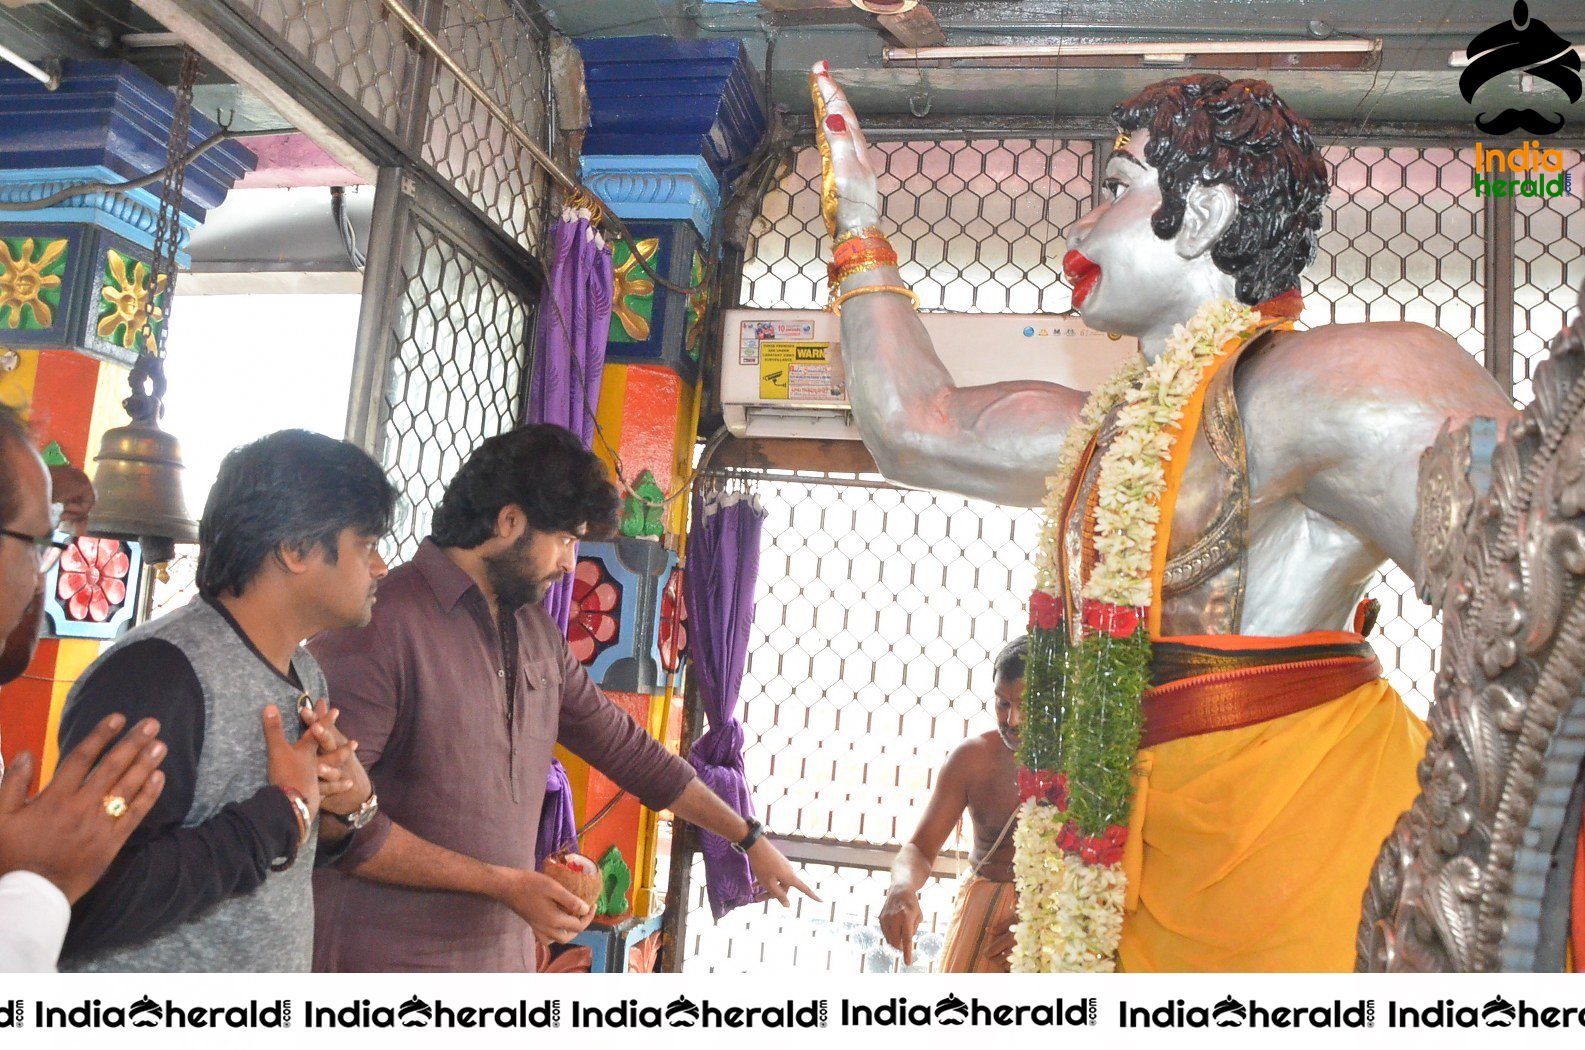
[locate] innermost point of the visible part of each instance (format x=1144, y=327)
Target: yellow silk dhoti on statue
x=1250, y=847
x=985, y=909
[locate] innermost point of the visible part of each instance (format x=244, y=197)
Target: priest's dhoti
x=985, y=910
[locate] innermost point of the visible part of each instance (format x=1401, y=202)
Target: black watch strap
x=360, y=816
x=755, y=831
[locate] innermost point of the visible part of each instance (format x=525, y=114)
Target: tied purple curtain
x=723, y=564
x=574, y=320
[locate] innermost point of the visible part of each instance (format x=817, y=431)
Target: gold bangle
x=862, y=231
x=897, y=289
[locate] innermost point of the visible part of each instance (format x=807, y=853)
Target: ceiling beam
x=914, y=28
x=793, y=7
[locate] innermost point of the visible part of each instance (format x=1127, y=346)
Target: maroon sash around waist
x=1259, y=691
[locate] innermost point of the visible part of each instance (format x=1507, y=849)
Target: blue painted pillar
x=74, y=294
x=672, y=124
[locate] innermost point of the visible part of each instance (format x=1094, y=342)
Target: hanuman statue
x=1210, y=755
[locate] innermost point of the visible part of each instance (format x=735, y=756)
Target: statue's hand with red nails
x=849, y=199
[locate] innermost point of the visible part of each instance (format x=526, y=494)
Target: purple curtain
x=723, y=564
x=574, y=320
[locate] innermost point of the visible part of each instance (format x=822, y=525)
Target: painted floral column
x=75, y=295
x=673, y=122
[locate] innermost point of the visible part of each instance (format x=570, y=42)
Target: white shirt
x=33, y=918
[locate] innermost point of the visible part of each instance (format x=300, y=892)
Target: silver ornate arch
x=1477, y=875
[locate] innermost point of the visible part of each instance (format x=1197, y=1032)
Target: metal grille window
x=467, y=146
x=402, y=105
x=1549, y=269
x=452, y=278
x=458, y=353
x=879, y=611
x=1404, y=241
x=353, y=43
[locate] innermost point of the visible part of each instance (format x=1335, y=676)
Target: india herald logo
x=1521, y=43
x=145, y=1013
x=415, y=1013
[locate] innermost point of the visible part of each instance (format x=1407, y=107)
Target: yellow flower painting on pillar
x=698, y=307
x=30, y=281
x=632, y=293
x=130, y=309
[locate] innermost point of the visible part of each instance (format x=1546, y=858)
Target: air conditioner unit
x=782, y=377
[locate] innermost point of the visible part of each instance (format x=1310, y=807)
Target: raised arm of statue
x=996, y=442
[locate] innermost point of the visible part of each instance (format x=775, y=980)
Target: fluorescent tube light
x=1151, y=49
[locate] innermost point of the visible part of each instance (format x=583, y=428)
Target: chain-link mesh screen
x=890, y=605
x=976, y=223
x=841, y=935
x=465, y=144
x=354, y=44
x=357, y=46
x=1403, y=240
x=459, y=346
x=878, y=611
x=862, y=676
x=1548, y=269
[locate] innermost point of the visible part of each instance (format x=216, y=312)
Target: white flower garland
x=1133, y=470
x=1071, y=912
x=1096, y=406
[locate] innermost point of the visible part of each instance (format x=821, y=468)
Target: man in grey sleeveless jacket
x=217, y=878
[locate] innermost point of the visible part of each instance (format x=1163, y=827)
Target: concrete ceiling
x=1411, y=85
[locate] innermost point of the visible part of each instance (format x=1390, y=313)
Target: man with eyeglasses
x=74, y=497
x=53, y=848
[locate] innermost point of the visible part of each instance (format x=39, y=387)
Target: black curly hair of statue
x=543, y=469
x=1209, y=130
x=293, y=490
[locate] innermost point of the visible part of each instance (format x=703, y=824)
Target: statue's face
x=1126, y=280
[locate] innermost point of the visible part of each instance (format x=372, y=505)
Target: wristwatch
x=755, y=831
x=362, y=815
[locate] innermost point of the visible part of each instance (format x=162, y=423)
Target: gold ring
x=115, y=806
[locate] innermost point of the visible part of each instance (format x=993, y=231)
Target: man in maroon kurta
x=455, y=693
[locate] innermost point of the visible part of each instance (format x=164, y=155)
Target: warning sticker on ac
x=803, y=371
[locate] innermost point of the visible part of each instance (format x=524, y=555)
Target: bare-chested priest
x=980, y=776
x=1222, y=510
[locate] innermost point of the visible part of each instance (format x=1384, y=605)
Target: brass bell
x=139, y=479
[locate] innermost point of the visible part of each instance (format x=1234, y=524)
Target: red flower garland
x=1118, y=621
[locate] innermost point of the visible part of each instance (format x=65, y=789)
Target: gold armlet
x=835, y=276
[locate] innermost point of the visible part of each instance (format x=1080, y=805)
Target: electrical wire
x=349, y=236
x=84, y=188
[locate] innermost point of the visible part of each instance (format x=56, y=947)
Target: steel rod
x=474, y=88
x=543, y=159
x=43, y=76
